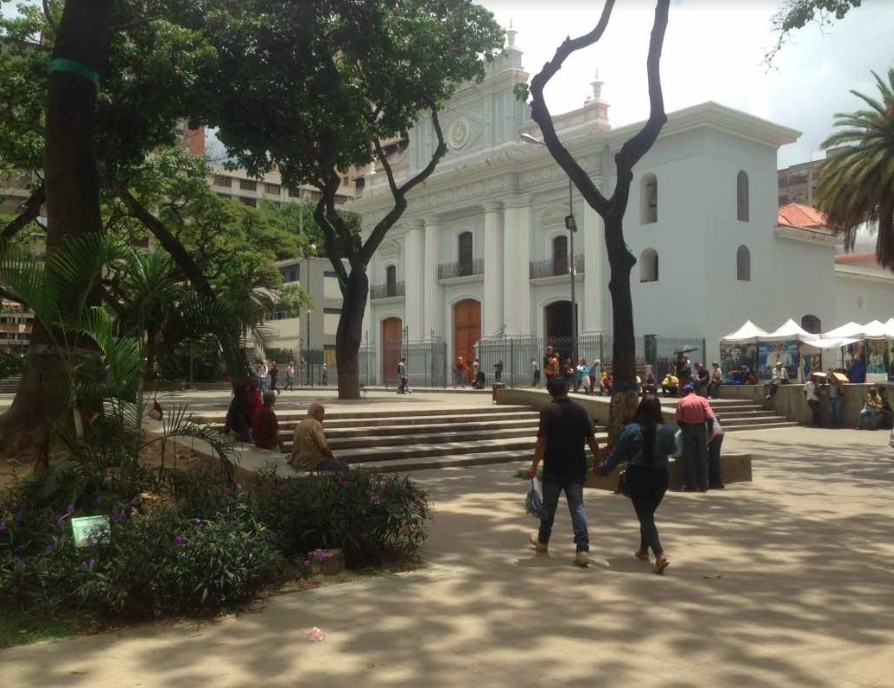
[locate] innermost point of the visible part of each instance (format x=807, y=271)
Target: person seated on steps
x=310, y=450
x=264, y=424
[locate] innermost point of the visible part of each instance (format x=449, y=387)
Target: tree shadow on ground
x=786, y=581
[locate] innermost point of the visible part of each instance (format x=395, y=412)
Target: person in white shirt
x=810, y=392
x=535, y=368
x=780, y=377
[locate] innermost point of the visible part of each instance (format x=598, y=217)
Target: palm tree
x=856, y=186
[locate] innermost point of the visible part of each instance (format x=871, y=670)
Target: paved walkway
x=788, y=581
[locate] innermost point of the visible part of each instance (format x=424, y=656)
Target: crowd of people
x=645, y=445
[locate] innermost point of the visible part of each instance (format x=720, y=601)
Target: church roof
x=800, y=217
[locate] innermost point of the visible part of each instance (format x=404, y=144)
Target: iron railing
x=426, y=362
x=553, y=267
x=462, y=268
x=386, y=291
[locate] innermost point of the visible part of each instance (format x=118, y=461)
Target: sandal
x=642, y=555
x=661, y=563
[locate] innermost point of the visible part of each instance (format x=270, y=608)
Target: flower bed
x=203, y=546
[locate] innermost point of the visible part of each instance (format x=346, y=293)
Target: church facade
x=483, y=251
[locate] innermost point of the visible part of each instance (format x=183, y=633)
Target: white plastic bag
x=534, y=499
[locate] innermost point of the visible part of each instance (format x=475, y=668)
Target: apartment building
x=15, y=327
x=797, y=183
x=238, y=185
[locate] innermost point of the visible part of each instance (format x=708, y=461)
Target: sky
x=713, y=50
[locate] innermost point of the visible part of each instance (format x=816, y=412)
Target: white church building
x=482, y=250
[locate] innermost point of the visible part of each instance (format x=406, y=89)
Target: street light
x=571, y=226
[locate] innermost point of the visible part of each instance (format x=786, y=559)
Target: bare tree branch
x=29, y=214
x=168, y=241
x=400, y=200
x=635, y=148
x=541, y=114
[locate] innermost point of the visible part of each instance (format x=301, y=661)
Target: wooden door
x=392, y=339
x=467, y=331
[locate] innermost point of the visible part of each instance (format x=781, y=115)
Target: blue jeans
x=574, y=495
x=695, y=455
x=873, y=418
x=262, y=384
x=835, y=408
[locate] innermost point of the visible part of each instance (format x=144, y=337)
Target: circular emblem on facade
x=459, y=133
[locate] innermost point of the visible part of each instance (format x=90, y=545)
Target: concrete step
x=288, y=421
x=757, y=420
x=469, y=437
x=454, y=461
x=781, y=423
x=723, y=413
x=337, y=416
x=402, y=429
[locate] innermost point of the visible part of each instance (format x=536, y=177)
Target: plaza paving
x=786, y=581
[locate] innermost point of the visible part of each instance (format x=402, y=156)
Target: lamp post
x=312, y=251
x=571, y=226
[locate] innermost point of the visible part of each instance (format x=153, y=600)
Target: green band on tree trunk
x=61, y=64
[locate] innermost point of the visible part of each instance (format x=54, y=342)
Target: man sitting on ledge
x=264, y=425
x=310, y=450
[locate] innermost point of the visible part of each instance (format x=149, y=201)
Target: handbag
x=623, y=487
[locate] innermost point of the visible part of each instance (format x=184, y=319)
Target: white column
x=516, y=262
x=414, y=279
x=493, y=270
x=431, y=287
x=595, y=277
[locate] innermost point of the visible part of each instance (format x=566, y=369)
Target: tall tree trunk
x=350, y=333
x=71, y=185
x=624, y=391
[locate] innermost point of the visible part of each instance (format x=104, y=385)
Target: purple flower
x=306, y=563
x=70, y=510
x=118, y=518
x=227, y=490
x=179, y=541
x=16, y=560
x=239, y=486
x=60, y=520
x=84, y=566
x=321, y=556
x=50, y=549
x=137, y=501
x=253, y=541
x=198, y=522
x=2, y=526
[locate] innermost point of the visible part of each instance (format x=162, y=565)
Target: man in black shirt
x=564, y=428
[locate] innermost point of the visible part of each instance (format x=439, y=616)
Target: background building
x=797, y=184
x=482, y=253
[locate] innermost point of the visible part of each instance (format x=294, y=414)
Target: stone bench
x=734, y=468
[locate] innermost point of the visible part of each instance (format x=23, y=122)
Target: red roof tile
x=800, y=217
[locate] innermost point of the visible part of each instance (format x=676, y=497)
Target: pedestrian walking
x=716, y=381
x=582, y=376
x=274, y=377
x=324, y=375
x=459, y=372
x=565, y=427
x=290, y=376
x=715, y=442
x=695, y=418
x=594, y=373
x=535, y=369
x=402, y=374
x=645, y=444
x=548, y=363
x=262, y=371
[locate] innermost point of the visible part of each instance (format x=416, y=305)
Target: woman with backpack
x=644, y=445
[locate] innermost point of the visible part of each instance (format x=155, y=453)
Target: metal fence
x=519, y=354
x=553, y=267
x=385, y=291
x=426, y=362
x=461, y=268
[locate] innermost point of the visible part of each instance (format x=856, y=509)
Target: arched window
x=743, y=264
x=391, y=280
x=465, y=254
x=811, y=324
x=648, y=210
x=560, y=255
x=742, y=196
x=648, y=266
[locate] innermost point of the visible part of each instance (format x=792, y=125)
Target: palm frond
x=10, y=365
x=178, y=422
x=26, y=278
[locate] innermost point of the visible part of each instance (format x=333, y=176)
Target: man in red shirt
x=695, y=418
x=264, y=425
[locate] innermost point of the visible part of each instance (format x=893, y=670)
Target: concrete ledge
x=597, y=407
x=734, y=468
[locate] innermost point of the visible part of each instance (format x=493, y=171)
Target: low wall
x=753, y=393
x=734, y=468
x=597, y=407
x=791, y=403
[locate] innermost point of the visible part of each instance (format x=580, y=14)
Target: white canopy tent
x=749, y=333
x=850, y=331
x=875, y=330
x=789, y=331
x=872, y=330
x=817, y=345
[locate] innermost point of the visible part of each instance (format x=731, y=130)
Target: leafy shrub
x=154, y=564
x=373, y=517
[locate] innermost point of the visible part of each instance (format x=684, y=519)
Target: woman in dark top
x=645, y=444
x=238, y=415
